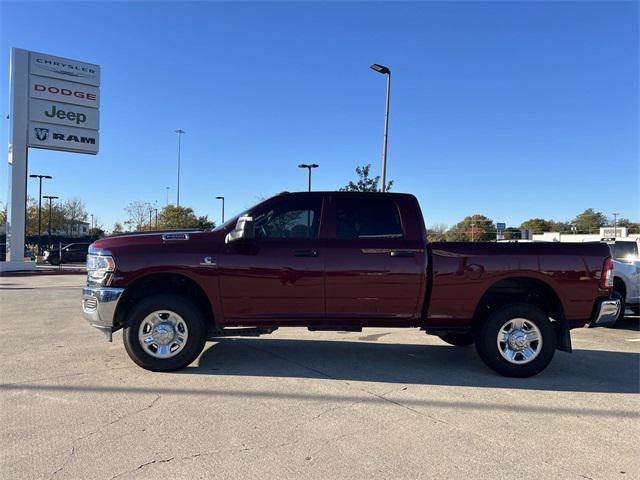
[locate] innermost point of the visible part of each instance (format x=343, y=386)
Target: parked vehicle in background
x=626, y=271
x=343, y=261
x=74, y=252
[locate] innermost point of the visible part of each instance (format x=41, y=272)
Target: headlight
x=99, y=267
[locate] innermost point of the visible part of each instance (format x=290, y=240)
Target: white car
x=626, y=271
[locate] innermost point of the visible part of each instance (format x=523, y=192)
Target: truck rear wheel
x=458, y=339
x=517, y=340
x=164, y=333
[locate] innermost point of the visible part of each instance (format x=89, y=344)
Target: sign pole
x=18, y=154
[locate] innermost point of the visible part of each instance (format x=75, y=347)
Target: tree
x=589, y=221
x=74, y=212
x=117, y=228
x=436, y=233
x=172, y=217
x=205, y=224
x=138, y=213
x=474, y=228
x=365, y=183
x=631, y=226
x=3, y=213
x=537, y=225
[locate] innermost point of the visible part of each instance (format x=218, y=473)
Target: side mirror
x=244, y=231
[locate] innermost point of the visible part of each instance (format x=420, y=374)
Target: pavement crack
x=64, y=464
x=143, y=465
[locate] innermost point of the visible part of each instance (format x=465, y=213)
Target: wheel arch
x=525, y=289
x=620, y=286
x=166, y=282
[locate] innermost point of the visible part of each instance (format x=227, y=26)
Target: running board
x=243, y=332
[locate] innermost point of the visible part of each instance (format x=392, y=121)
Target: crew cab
x=343, y=261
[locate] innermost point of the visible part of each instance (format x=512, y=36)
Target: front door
x=278, y=278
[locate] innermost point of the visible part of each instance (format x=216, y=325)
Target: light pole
x=473, y=226
x=309, y=166
x=385, y=71
x=50, y=197
x=92, y=221
x=221, y=198
x=40, y=177
x=179, y=132
x=167, y=188
x=615, y=224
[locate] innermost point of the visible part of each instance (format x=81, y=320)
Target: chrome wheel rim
x=519, y=341
x=163, y=334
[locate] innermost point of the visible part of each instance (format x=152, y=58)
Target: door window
x=367, y=218
x=295, y=218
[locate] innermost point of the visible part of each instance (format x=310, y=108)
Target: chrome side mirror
x=243, y=231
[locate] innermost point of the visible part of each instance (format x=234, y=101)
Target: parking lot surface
x=383, y=403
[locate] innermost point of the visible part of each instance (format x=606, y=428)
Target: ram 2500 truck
x=343, y=261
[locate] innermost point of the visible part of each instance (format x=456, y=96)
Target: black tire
x=487, y=340
x=458, y=339
x=54, y=261
x=192, y=316
x=620, y=318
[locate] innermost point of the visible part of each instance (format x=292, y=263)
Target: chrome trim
x=99, y=307
x=175, y=236
x=607, y=313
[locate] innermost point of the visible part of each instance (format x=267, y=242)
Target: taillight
x=606, y=277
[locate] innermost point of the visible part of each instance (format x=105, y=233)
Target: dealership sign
x=64, y=102
x=55, y=105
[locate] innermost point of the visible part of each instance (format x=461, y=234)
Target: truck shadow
x=581, y=371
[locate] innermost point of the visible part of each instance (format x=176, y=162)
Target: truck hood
x=146, y=242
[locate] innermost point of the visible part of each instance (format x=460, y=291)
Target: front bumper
x=605, y=313
x=99, y=307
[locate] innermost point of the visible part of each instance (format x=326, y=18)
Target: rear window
x=364, y=218
x=624, y=250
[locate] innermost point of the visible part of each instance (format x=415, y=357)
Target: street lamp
x=221, y=198
x=179, y=132
x=385, y=71
x=40, y=177
x=309, y=166
x=615, y=224
x=92, y=221
x=50, y=197
x=167, y=188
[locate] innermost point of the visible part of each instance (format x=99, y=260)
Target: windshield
x=624, y=250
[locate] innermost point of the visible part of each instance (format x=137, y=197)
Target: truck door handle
x=305, y=253
x=401, y=253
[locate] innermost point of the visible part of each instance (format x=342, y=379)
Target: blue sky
x=513, y=110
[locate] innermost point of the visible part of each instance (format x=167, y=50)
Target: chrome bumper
x=99, y=307
x=606, y=313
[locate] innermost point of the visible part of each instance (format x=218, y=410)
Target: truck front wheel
x=517, y=340
x=164, y=333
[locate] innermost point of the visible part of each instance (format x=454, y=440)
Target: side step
x=334, y=328
x=243, y=332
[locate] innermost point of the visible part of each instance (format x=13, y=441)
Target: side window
x=362, y=218
x=295, y=218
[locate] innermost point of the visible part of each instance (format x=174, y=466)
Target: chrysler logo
x=41, y=133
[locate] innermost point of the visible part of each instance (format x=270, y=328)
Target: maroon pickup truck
x=343, y=261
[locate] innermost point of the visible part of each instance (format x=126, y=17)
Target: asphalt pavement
x=382, y=403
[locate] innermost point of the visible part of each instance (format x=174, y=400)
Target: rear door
x=375, y=260
x=279, y=277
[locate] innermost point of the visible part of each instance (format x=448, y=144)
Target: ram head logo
x=41, y=133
